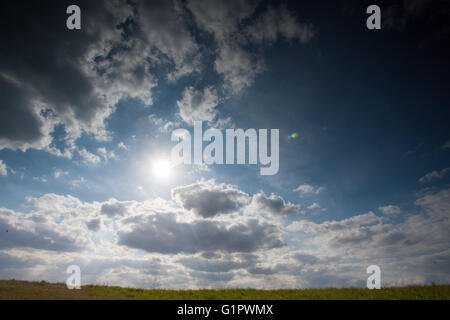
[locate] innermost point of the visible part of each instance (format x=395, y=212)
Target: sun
x=162, y=169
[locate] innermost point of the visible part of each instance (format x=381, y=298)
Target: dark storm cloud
x=207, y=199
x=163, y=234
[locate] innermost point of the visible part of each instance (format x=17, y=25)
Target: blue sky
x=86, y=113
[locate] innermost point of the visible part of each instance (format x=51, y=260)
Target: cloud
x=368, y=236
x=94, y=225
x=279, y=23
x=58, y=173
x=161, y=233
x=345, y=224
x=198, y=105
x=273, y=205
x=306, y=259
x=181, y=253
x=28, y=231
x=309, y=189
x=114, y=56
x=236, y=28
x=164, y=26
x=315, y=205
x=89, y=157
x=208, y=199
x=446, y=145
x=437, y=205
x=3, y=169
x=122, y=145
x=390, y=209
x=434, y=175
x=63, y=89
x=105, y=154
x=114, y=208
x=220, y=264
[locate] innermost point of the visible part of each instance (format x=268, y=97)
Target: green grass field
x=22, y=290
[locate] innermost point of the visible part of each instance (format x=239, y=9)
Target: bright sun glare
x=162, y=169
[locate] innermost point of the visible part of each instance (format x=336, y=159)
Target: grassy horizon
x=25, y=290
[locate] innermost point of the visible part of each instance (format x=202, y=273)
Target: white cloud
x=446, y=145
x=89, y=157
x=122, y=145
x=3, y=169
x=436, y=204
x=315, y=205
x=434, y=175
x=309, y=189
x=58, y=173
x=197, y=105
x=273, y=205
x=105, y=154
x=223, y=19
x=173, y=252
x=390, y=209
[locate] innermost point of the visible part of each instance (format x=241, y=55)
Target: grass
x=23, y=290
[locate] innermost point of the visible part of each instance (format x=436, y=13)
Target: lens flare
x=293, y=136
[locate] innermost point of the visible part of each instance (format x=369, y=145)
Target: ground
x=22, y=290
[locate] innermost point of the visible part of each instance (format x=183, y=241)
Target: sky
x=87, y=116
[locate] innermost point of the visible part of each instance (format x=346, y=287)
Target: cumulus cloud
x=435, y=175
x=161, y=233
x=279, y=23
x=390, y=209
x=198, y=105
x=122, y=145
x=273, y=205
x=94, y=224
x=309, y=189
x=31, y=231
x=315, y=205
x=223, y=263
x=79, y=82
x=239, y=252
x=368, y=235
x=208, y=199
x=63, y=89
x=89, y=157
x=234, y=62
x=437, y=204
x=164, y=27
x=114, y=208
x=3, y=169
x=58, y=173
